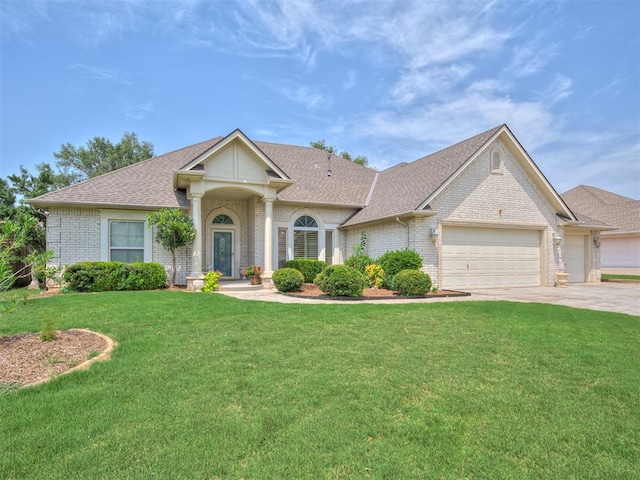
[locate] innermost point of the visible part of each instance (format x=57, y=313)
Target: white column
x=268, y=238
x=196, y=211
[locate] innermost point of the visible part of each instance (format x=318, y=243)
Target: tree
x=7, y=199
x=322, y=145
x=100, y=156
x=16, y=245
x=174, y=230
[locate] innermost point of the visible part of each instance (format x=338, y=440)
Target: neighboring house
x=619, y=247
x=480, y=213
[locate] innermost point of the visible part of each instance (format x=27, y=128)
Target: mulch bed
x=312, y=291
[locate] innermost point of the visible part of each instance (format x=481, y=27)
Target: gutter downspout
x=402, y=223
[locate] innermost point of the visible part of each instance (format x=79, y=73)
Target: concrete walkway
x=607, y=297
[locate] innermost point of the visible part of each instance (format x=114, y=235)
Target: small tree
x=174, y=230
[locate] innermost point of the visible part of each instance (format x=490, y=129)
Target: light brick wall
x=73, y=234
x=478, y=197
x=509, y=197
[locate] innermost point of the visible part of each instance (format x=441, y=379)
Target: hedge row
x=106, y=276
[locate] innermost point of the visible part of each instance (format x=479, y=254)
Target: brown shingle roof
x=604, y=206
x=150, y=183
x=402, y=188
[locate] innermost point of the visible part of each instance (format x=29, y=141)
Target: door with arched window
x=223, y=244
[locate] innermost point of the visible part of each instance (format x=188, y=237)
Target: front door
x=223, y=252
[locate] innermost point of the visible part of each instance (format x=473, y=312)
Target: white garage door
x=574, y=261
x=489, y=257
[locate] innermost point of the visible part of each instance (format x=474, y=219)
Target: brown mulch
x=312, y=290
x=25, y=359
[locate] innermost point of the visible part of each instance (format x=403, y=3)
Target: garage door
x=489, y=257
x=574, y=257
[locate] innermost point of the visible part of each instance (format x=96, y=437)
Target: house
x=480, y=213
x=619, y=247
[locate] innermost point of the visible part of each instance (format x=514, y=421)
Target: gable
x=235, y=162
x=480, y=193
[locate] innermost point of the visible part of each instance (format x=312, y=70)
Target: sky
x=390, y=80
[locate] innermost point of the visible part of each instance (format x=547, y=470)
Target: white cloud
x=560, y=88
x=304, y=95
x=351, y=81
x=530, y=58
x=99, y=73
x=416, y=84
x=138, y=110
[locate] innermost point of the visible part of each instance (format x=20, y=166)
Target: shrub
x=359, y=262
x=394, y=261
x=375, y=275
x=106, y=276
x=412, y=282
x=308, y=267
x=211, y=282
x=287, y=279
x=341, y=281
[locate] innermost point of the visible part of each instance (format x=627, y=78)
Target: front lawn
x=612, y=276
x=205, y=386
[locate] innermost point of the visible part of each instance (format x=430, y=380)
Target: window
x=305, y=237
x=328, y=247
x=496, y=161
x=223, y=219
x=126, y=241
x=282, y=247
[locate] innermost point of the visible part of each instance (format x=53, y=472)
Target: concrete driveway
x=608, y=297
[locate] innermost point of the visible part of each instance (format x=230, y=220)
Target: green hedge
x=359, y=262
x=308, y=267
x=341, y=281
x=395, y=261
x=106, y=276
x=412, y=282
x=287, y=279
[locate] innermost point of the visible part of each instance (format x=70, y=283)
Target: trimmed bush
x=395, y=261
x=412, y=282
x=375, y=275
x=341, y=281
x=287, y=279
x=359, y=262
x=106, y=276
x=308, y=267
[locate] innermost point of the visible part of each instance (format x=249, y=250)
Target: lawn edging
x=104, y=355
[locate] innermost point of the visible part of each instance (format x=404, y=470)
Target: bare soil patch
x=25, y=359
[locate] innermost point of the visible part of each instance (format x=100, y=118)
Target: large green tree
x=100, y=156
x=322, y=145
x=174, y=229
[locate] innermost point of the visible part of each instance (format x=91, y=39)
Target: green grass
x=205, y=386
x=611, y=276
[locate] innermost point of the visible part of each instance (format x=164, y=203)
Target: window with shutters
x=305, y=237
x=328, y=247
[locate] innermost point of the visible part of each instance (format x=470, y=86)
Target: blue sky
x=393, y=81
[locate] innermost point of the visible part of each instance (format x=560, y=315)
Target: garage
x=574, y=258
x=490, y=257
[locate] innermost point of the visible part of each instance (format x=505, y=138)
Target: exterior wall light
x=433, y=233
x=557, y=239
x=596, y=240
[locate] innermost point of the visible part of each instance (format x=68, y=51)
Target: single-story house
x=619, y=247
x=480, y=213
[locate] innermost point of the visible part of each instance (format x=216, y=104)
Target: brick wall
x=73, y=234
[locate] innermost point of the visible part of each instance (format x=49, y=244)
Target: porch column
x=268, y=242
x=196, y=258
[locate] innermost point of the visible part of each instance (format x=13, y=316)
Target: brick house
x=480, y=213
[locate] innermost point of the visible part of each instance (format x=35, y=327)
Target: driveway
x=608, y=297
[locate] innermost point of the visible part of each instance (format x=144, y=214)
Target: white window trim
x=107, y=216
x=500, y=153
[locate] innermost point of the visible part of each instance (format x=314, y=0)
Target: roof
x=150, y=183
x=404, y=187
x=606, y=207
